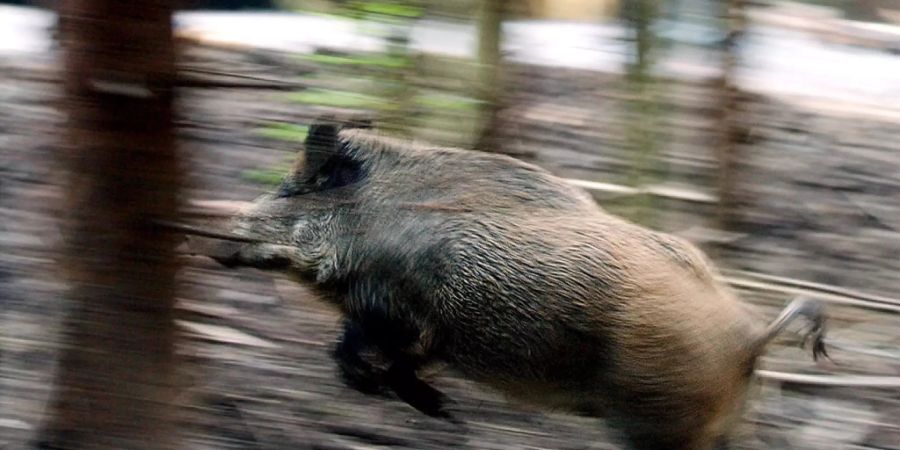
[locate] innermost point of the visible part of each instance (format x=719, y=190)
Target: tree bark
x=115, y=384
x=732, y=133
x=490, y=21
x=642, y=108
x=864, y=10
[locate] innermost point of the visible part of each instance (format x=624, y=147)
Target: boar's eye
x=336, y=172
x=339, y=172
x=327, y=163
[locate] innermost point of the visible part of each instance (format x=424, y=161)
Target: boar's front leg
x=402, y=379
x=395, y=342
x=356, y=372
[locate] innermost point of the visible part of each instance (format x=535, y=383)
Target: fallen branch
x=45, y=75
x=196, y=83
x=869, y=381
x=658, y=191
x=223, y=334
x=878, y=353
x=829, y=289
x=890, y=305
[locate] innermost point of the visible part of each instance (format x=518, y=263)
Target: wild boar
x=514, y=277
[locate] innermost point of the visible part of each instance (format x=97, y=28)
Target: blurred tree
x=732, y=133
x=395, y=76
x=490, y=23
x=580, y=10
x=640, y=15
x=115, y=383
x=226, y=4
x=643, y=105
x=399, y=84
x=865, y=10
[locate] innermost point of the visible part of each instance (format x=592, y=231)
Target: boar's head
x=296, y=227
x=356, y=200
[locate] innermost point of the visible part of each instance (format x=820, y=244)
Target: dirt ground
x=823, y=207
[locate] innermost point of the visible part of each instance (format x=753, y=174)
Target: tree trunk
x=490, y=21
x=643, y=124
x=731, y=129
x=115, y=384
x=864, y=10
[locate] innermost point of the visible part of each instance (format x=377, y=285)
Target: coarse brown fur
x=512, y=276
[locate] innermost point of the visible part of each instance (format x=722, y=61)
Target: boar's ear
x=325, y=164
x=322, y=138
x=321, y=144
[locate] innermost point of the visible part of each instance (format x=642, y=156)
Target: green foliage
x=393, y=9
x=284, y=132
x=383, y=10
x=445, y=102
x=339, y=99
x=393, y=83
x=330, y=13
x=366, y=60
x=270, y=177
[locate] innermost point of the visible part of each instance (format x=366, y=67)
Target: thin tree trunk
x=643, y=124
x=864, y=10
x=732, y=132
x=490, y=21
x=115, y=383
x=400, y=90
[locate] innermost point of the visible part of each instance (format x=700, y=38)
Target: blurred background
x=764, y=131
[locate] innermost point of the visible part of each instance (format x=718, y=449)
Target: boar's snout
x=226, y=253
x=222, y=251
x=259, y=256
x=232, y=254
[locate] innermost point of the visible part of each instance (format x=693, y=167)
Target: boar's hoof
x=362, y=377
x=359, y=375
x=402, y=379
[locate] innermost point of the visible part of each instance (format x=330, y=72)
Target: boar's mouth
x=234, y=254
x=232, y=251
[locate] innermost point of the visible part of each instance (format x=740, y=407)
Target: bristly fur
x=514, y=277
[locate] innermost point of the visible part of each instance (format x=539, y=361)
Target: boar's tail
x=810, y=309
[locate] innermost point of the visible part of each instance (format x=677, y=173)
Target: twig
x=878, y=353
x=889, y=305
x=658, y=191
x=816, y=286
x=41, y=75
x=225, y=74
x=832, y=380
x=190, y=82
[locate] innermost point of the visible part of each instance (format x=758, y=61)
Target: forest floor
x=822, y=192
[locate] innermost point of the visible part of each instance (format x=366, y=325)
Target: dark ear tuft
x=324, y=164
x=321, y=143
x=322, y=135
